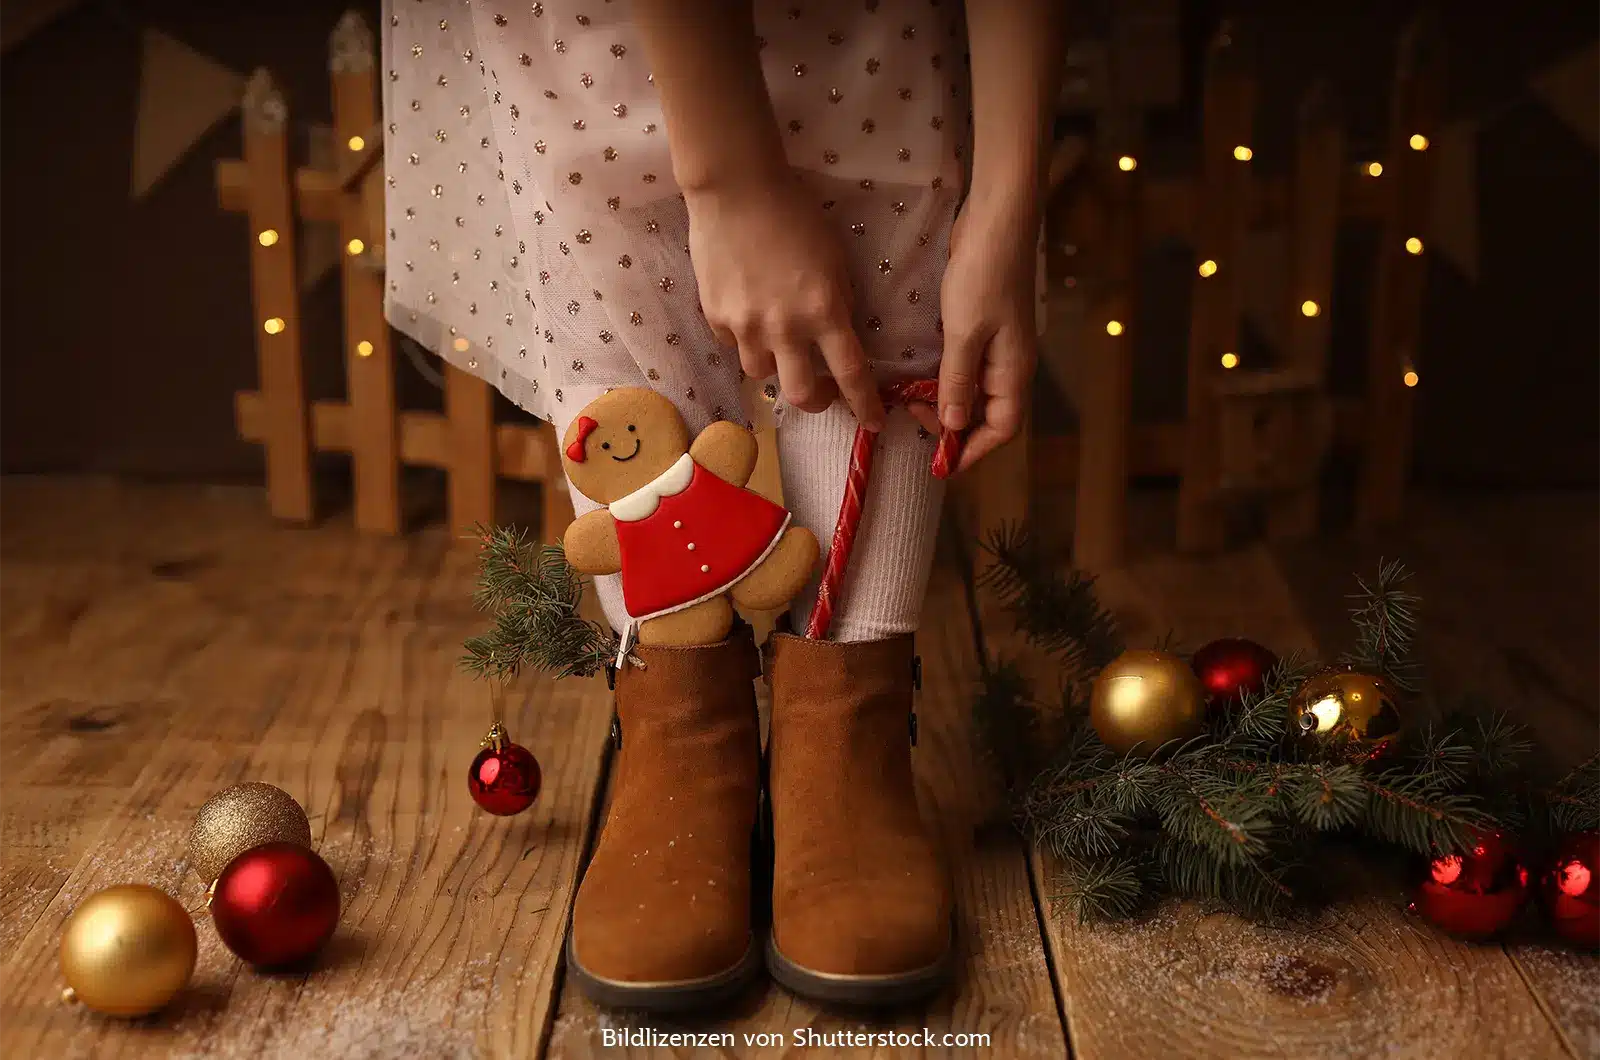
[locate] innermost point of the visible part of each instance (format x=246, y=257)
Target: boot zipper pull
x=913, y=728
x=611, y=676
x=916, y=672
x=625, y=643
x=616, y=732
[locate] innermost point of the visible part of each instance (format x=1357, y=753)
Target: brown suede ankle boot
x=861, y=906
x=662, y=919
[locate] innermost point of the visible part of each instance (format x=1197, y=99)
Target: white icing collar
x=643, y=501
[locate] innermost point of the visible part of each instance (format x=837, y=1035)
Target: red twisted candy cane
x=855, y=491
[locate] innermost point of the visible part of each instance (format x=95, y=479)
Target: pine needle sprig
x=1385, y=621
x=532, y=595
x=1105, y=888
x=1419, y=812
x=1574, y=801
x=1056, y=612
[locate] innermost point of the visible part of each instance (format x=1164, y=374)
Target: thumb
x=958, y=372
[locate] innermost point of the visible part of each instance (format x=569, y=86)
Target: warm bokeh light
x=1208, y=268
x=461, y=344
x=1413, y=245
x=357, y=143
x=1230, y=360
x=1113, y=327
x=1127, y=163
x=267, y=237
x=273, y=325
x=1411, y=378
x=1243, y=153
x=355, y=246
x=1419, y=142
x=1309, y=308
x=363, y=348
x=1373, y=169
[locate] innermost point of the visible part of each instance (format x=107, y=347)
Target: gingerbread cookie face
x=622, y=440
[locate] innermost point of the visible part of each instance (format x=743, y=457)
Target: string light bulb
x=363, y=348
x=273, y=325
x=1230, y=360
x=1410, y=378
x=1309, y=308
x=1127, y=163
x=1413, y=245
x=356, y=143
x=355, y=246
x=1373, y=169
x=1113, y=327
x=1418, y=142
x=460, y=344
x=1243, y=153
x=1207, y=268
x=267, y=237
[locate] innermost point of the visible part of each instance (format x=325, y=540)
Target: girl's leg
x=883, y=588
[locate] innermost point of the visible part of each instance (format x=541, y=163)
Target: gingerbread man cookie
x=679, y=524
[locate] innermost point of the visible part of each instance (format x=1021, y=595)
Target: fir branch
x=1418, y=812
x=1385, y=620
x=1574, y=801
x=1324, y=798
x=533, y=596
x=1099, y=888
x=1057, y=613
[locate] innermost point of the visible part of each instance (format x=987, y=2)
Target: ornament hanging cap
x=575, y=451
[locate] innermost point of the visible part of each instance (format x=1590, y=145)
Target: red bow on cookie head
x=575, y=451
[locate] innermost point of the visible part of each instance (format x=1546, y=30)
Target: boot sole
x=671, y=996
x=864, y=990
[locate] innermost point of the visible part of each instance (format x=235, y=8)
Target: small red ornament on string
x=504, y=778
x=1476, y=893
x=1570, y=889
x=275, y=905
x=1232, y=668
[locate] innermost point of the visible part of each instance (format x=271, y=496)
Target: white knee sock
x=888, y=573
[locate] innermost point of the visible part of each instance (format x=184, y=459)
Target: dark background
x=128, y=325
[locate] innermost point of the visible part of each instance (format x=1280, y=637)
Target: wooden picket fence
x=1258, y=435
x=465, y=441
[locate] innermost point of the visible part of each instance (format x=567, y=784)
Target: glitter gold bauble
x=1340, y=703
x=1144, y=699
x=127, y=950
x=241, y=818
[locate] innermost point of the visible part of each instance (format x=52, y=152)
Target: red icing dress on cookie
x=696, y=540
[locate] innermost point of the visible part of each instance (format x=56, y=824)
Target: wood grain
x=326, y=663
x=1361, y=979
x=1510, y=591
x=1004, y=986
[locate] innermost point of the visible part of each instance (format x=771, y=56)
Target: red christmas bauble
x=1476, y=893
x=504, y=778
x=1570, y=888
x=1232, y=667
x=275, y=905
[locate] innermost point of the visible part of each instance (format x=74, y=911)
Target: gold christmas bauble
x=127, y=950
x=1342, y=703
x=241, y=818
x=1146, y=698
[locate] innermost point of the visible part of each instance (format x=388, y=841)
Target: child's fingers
x=756, y=360
x=802, y=387
x=842, y=351
x=925, y=415
x=958, y=375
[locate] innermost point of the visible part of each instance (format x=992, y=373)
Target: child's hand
x=773, y=281
x=986, y=374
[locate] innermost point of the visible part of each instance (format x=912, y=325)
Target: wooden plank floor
x=158, y=643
